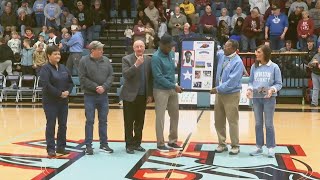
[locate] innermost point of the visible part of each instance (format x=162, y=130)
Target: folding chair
x=27, y=85
x=37, y=95
x=2, y=84
x=76, y=89
x=10, y=88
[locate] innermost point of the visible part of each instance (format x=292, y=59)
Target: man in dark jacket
x=5, y=58
x=96, y=77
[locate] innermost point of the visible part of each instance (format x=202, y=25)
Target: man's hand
x=100, y=90
x=178, y=89
x=64, y=94
x=213, y=91
x=139, y=61
x=282, y=36
x=149, y=99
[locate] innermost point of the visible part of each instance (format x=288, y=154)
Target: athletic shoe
x=164, y=148
x=51, y=153
x=139, y=148
x=313, y=105
x=129, y=150
x=256, y=152
x=175, y=146
x=62, y=151
x=221, y=148
x=106, y=148
x=234, y=150
x=89, y=150
x=271, y=153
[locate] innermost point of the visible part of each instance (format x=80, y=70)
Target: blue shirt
x=26, y=57
x=38, y=6
x=76, y=42
x=265, y=77
x=229, y=74
x=276, y=24
x=163, y=70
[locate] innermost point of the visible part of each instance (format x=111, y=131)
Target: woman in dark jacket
x=57, y=84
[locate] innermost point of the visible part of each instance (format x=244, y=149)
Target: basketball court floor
x=23, y=154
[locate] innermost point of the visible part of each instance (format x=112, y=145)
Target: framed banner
x=197, y=65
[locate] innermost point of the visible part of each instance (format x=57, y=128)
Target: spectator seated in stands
x=163, y=27
x=139, y=32
x=44, y=33
x=305, y=29
x=141, y=15
x=250, y=30
x=15, y=43
x=66, y=18
x=236, y=16
x=237, y=30
x=176, y=22
x=99, y=19
x=223, y=32
x=263, y=5
x=25, y=7
x=217, y=5
x=314, y=14
x=187, y=34
x=152, y=12
x=288, y=63
x=311, y=50
x=208, y=23
x=24, y=21
x=53, y=38
x=298, y=3
x=189, y=10
x=149, y=36
x=201, y=6
x=40, y=41
x=28, y=34
x=8, y=18
x=225, y=17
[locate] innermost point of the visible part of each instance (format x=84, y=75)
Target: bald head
x=138, y=47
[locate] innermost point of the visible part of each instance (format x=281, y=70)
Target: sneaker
x=120, y=103
x=62, y=151
x=234, y=150
x=221, y=148
x=139, y=148
x=164, y=148
x=175, y=146
x=129, y=150
x=271, y=153
x=256, y=152
x=89, y=150
x=51, y=153
x=106, y=148
x=313, y=105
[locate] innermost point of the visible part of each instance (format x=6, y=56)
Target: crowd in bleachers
x=27, y=27
x=250, y=22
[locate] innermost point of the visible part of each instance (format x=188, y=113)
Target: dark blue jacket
x=54, y=81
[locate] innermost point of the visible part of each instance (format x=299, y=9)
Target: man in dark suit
x=136, y=93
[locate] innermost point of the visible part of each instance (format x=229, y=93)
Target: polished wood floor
x=28, y=124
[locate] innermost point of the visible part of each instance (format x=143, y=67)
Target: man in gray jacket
x=136, y=93
x=96, y=77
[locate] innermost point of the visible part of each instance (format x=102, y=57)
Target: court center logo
x=198, y=161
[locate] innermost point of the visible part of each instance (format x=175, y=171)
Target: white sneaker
x=257, y=152
x=271, y=153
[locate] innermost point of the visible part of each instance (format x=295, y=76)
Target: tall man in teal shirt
x=165, y=92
